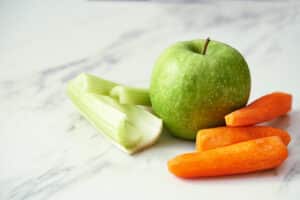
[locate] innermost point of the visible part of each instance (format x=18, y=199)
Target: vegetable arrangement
x=236, y=150
x=194, y=84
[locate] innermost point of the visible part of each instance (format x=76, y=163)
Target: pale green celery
x=130, y=127
x=111, y=122
x=94, y=84
x=130, y=95
x=123, y=94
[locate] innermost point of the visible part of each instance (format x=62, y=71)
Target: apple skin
x=191, y=91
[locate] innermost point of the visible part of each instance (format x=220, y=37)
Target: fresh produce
x=253, y=155
x=92, y=84
x=130, y=127
x=223, y=136
x=235, y=150
x=263, y=109
x=196, y=83
x=123, y=94
x=195, y=86
x=130, y=95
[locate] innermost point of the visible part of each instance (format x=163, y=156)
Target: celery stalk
x=123, y=94
x=94, y=84
x=130, y=95
x=130, y=127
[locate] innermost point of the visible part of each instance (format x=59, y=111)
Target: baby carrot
x=263, y=109
x=244, y=157
x=222, y=136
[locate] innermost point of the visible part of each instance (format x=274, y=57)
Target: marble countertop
x=47, y=151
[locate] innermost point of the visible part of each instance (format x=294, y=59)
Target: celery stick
x=130, y=127
x=111, y=121
x=123, y=94
x=94, y=84
x=130, y=95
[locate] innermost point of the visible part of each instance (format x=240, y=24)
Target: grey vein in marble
x=56, y=178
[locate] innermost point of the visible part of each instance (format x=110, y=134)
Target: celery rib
x=93, y=84
x=80, y=100
x=130, y=127
x=123, y=94
x=129, y=95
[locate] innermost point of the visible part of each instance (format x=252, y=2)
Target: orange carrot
x=265, y=108
x=222, y=136
x=244, y=157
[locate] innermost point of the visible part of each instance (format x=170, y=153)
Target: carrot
x=263, y=109
x=244, y=157
x=222, y=136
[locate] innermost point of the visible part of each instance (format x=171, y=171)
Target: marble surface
x=47, y=151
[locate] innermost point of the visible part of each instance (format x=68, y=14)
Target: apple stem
x=205, y=46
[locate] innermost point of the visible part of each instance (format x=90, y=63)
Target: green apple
x=194, y=84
